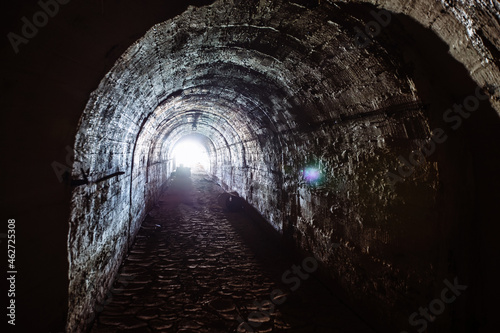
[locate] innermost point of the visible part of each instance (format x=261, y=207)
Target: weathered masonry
x=365, y=132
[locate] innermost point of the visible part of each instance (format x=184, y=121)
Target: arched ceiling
x=255, y=71
x=270, y=87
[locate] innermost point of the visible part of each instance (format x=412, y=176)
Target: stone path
x=195, y=267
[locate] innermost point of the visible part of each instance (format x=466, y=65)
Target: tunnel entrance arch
x=262, y=95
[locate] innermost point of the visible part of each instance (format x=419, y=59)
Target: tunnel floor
x=195, y=267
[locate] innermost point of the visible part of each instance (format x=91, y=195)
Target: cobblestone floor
x=195, y=267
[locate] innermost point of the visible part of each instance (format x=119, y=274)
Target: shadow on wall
x=448, y=237
x=467, y=174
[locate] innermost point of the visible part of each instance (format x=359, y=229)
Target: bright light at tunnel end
x=190, y=153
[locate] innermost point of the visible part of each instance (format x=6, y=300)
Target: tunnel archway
x=271, y=86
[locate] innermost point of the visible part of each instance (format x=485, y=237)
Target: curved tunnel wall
x=277, y=87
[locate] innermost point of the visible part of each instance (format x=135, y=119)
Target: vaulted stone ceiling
x=273, y=87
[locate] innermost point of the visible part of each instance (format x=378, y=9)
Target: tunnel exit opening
x=191, y=153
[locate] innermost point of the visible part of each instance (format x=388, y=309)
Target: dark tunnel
x=364, y=133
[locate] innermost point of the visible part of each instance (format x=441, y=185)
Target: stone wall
x=277, y=87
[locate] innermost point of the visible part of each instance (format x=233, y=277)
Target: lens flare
x=311, y=175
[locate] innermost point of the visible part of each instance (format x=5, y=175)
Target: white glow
x=190, y=153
